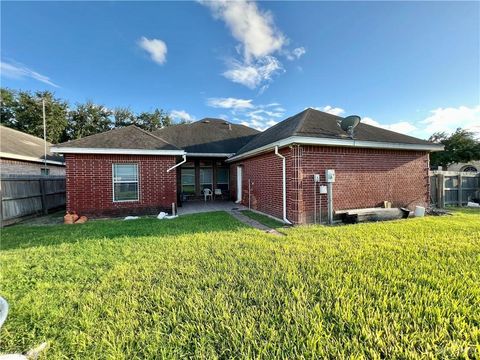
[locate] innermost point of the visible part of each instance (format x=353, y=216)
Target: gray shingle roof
x=129, y=137
x=314, y=123
x=19, y=143
x=208, y=135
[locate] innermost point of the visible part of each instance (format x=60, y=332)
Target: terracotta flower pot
x=68, y=218
x=81, y=220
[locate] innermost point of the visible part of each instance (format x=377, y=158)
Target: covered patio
x=200, y=173
x=200, y=206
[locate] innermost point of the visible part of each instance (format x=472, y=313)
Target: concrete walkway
x=253, y=223
x=194, y=207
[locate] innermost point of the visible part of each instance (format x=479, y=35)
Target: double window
x=206, y=175
x=223, y=178
x=125, y=182
x=188, y=177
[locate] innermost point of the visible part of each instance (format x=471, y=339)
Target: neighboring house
x=128, y=170
x=24, y=154
x=472, y=166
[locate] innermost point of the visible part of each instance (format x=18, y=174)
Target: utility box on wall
x=330, y=176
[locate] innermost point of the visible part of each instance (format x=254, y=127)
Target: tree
x=460, y=147
x=151, y=121
x=22, y=110
x=7, y=109
x=88, y=119
x=123, y=117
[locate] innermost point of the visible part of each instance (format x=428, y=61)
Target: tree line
x=459, y=147
x=22, y=110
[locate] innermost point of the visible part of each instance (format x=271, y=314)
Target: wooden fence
x=453, y=188
x=27, y=195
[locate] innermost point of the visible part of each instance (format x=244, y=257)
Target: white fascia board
x=29, y=158
x=306, y=140
x=209, y=154
x=74, y=150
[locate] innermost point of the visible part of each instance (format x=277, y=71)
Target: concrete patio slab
x=193, y=207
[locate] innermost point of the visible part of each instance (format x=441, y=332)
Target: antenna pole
x=44, y=136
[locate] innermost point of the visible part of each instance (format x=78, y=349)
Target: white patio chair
x=206, y=193
x=218, y=192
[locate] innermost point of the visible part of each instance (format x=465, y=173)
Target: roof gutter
x=30, y=158
x=227, y=155
x=284, y=186
x=78, y=150
x=180, y=163
x=307, y=140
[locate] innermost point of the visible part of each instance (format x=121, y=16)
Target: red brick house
x=130, y=171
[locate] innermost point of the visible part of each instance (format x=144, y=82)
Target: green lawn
x=263, y=219
x=206, y=286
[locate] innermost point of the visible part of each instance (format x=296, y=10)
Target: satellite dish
x=349, y=124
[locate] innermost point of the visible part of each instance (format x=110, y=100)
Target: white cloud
x=253, y=74
x=19, y=71
x=181, y=115
x=332, y=110
x=245, y=112
x=259, y=39
x=156, y=48
x=296, y=53
x=403, y=127
x=450, y=118
x=253, y=28
x=230, y=103
x=329, y=109
x=441, y=119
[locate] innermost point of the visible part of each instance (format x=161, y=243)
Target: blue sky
x=411, y=67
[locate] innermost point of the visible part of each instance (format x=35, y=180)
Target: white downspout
x=284, y=186
x=180, y=163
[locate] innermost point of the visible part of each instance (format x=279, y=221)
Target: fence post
x=44, y=196
x=440, y=191
x=460, y=200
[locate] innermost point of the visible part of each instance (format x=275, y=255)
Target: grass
x=263, y=219
x=206, y=286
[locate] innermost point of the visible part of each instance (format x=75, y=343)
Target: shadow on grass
x=32, y=236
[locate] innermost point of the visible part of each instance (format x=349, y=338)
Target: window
x=469, y=168
x=223, y=177
x=206, y=174
x=188, y=180
x=206, y=178
x=45, y=171
x=125, y=182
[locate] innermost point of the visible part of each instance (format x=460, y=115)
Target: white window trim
x=124, y=182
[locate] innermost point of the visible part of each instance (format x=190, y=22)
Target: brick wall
x=18, y=167
x=364, y=178
x=265, y=175
x=90, y=189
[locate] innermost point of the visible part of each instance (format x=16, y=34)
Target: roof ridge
x=302, y=120
x=94, y=135
x=152, y=135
